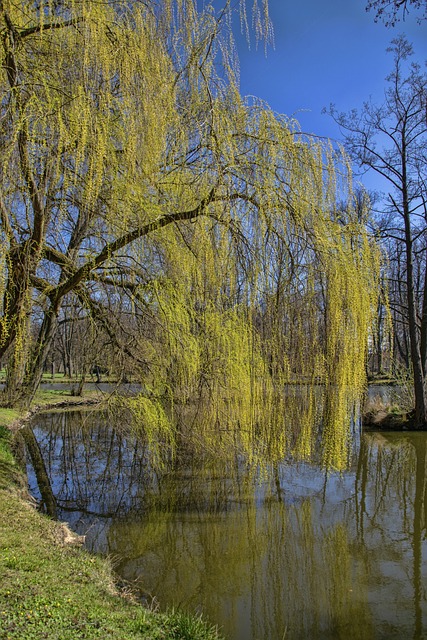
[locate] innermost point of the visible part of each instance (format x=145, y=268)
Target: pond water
x=287, y=553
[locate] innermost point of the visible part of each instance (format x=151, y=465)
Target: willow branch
x=110, y=249
x=57, y=257
x=60, y=24
x=5, y=223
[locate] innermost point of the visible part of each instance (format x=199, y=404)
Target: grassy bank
x=51, y=588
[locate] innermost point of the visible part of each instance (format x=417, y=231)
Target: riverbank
x=50, y=587
x=385, y=415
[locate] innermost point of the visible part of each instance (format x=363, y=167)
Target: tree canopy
x=198, y=230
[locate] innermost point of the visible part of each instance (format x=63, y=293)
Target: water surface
x=292, y=553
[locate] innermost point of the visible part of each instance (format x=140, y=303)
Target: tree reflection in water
x=291, y=552
x=391, y=507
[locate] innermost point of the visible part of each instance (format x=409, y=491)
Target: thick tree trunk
x=14, y=325
x=423, y=340
x=418, y=367
x=16, y=297
x=21, y=392
x=420, y=411
x=39, y=356
x=15, y=374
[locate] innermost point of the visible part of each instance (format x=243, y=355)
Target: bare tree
x=390, y=139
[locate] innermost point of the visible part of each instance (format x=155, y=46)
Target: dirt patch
x=64, y=537
x=382, y=420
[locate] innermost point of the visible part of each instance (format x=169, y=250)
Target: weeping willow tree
x=254, y=330
x=199, y=230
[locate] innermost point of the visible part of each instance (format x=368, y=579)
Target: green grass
x=58, y=396
x=7, y=416
x=45, y=396
x=51, y=590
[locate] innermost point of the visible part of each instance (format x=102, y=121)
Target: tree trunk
x=420, y=409
x=15, y=299
x=423, y=340
x=23, y=394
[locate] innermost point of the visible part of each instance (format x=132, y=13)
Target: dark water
x=286, y=553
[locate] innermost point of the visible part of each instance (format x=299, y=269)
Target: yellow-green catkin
x=262, y=341
x=256, y=313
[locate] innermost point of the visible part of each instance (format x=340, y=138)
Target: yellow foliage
x=260, y=307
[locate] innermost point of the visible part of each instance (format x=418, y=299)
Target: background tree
x=391, y=11
x=391, y=140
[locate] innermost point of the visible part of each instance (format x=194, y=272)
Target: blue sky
x=325, y=51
